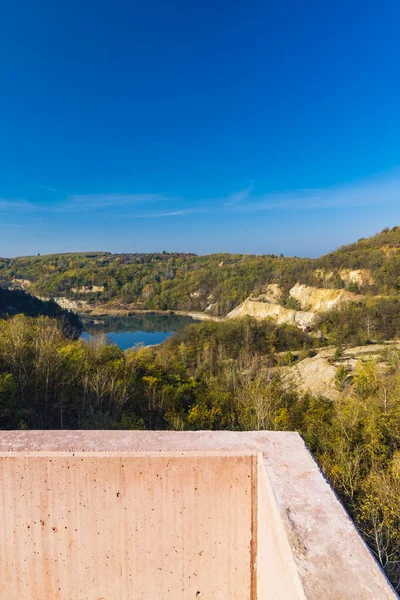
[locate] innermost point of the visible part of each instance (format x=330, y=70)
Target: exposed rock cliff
x=361, y=277
x=320, y=299
x=272, y=294
x=23, y=284
x=262, y=310
x=317, y=374
x=88, y=289
x=78, y=306
x=312, y=301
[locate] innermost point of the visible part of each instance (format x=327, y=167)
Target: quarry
x=146, y=515
x=311, y=302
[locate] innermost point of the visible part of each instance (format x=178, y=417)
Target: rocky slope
x=360, y=277
x=311, y=301
x=263, y=310
x=320, y=299
x=317, y=374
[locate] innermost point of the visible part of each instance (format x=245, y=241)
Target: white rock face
x=24, y=284
x=87, y=289
x=320, y=299
x=272, y=294
x=361, y=277
x=263, y=310
x=74, y=305
x=312, y=301
x=210, y=307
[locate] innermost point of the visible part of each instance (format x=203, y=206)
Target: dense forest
x=357, y=323
x=163, y=281
x=232, y=375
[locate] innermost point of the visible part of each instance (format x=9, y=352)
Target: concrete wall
x=277, y=576
x=94, y=526
x=174, y=516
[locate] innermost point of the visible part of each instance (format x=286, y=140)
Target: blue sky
x=216, y=126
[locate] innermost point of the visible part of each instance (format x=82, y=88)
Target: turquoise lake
x=127, y=332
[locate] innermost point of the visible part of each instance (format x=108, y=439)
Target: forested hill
x=13, y=302
x=217, y=282
x=373, y=253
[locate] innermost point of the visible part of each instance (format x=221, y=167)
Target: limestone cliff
x=23, y=284
x=360, y=277
x=262, y=310
x=88, y=289
x=312, y=301
x=78, y=306
x=273, y=293
x=320, y=299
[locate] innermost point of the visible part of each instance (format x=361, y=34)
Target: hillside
x=13, y=302
x=303, y=304
x=367, y=253
x=332, y=374
x=216, y=284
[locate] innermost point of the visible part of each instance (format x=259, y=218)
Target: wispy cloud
x=13, y=205
x=239, y=197
x=384, y=190
x=47, y=188
x=98, y=201
x=172, y=213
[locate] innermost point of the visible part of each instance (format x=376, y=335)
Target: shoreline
x=85, y=310
x=120, y=312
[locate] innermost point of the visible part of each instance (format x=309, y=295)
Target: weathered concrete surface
x=277, y=575
x=125, y=527
x=267, y=527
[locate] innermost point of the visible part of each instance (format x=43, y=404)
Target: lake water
x=127, y=332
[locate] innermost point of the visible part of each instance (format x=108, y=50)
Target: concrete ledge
x=114, y=515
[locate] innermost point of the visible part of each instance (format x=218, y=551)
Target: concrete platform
x=111, y=515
